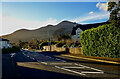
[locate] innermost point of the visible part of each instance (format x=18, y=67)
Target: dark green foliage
x=114, y=8
x=63, y=37
x=103, y=41
x=14, y=49
x=46, y=43
x=60, y=44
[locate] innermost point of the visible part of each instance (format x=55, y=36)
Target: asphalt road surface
x=42, y=65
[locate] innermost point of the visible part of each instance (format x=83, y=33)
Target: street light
x=49, y=43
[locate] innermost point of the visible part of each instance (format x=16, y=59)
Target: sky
x=33, y=15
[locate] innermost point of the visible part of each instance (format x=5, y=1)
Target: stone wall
x=75, y=50
x=61, y=49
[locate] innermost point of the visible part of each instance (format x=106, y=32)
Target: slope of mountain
x=42, y=33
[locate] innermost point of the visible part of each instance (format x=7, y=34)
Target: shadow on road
x=30, y=73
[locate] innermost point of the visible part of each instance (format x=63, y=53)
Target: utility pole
x=49, y=43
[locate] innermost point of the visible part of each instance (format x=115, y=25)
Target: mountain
x=42, y=33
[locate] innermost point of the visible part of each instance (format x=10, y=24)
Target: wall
x=61, y=49
x=75, y=50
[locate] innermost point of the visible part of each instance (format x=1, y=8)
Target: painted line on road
x=88, y=67
x=63, y=60
x=27, y=56
x=92, y=72
x=44, y=63
x=57, y=59
x=33, y=58
x=70, y=70
x=48, y=56
x=74, y=67
x=60, y=63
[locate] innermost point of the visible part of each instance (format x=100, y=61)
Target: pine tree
x=114, y=9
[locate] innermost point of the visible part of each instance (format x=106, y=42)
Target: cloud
x=11, y=24
x=102, y=6
x=91, y=12
x=96, y=16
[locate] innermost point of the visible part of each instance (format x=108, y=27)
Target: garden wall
x=61, y=49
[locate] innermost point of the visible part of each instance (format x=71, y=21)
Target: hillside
x=42, y=33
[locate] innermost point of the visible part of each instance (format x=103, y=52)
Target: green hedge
x=103, y=41
x=14, y=49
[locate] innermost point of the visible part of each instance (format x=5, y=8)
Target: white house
x=76, y=36
x=4, y=43
x=78, y=28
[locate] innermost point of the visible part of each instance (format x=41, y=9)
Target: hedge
x=103, y=41
x=14, y=49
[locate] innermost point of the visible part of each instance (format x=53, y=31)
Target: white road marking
x=44, y=63
x=88, y=67
x=60, y=63
x=63, y=61
x=92, y=72
x=58, y=59
x=27, y=56
x=48, y=56
x=74, y=67
x=70, y=70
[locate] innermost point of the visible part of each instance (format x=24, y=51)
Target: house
x=78, y=28
x=4, y=43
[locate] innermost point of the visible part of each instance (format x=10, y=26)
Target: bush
x=65, y=45
x=46, y=43
x=60, y=44
x=102, y=41
x=14, y=49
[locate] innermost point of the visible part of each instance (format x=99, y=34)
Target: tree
x=63, y=37
x=114, y=9
x=21, y=43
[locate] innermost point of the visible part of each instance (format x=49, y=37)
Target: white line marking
x=92, y=72
x=61, y=63
x=88, y=67
x=74, y=67
x=58, y=59
x=48, y=56
x=70, y=70
x=44, y=63
x=27, y=56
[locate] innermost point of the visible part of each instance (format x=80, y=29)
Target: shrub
x=65, y=45
x=103, y=41
x=11, y=50
x=60, y=44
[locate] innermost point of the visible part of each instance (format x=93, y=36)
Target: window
x=78, y=34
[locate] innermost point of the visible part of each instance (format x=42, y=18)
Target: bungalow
x=4, y=43
x=78, y=28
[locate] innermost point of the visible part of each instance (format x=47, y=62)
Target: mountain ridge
x=42, y=33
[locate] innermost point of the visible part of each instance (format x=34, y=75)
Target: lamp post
x=49, y=43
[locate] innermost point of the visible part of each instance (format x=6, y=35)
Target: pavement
x=92, y=58
x=41, y=65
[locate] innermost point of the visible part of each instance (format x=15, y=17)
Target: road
x=42, y=65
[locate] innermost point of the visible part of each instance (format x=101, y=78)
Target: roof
x=86, y=26
x=1, y=39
